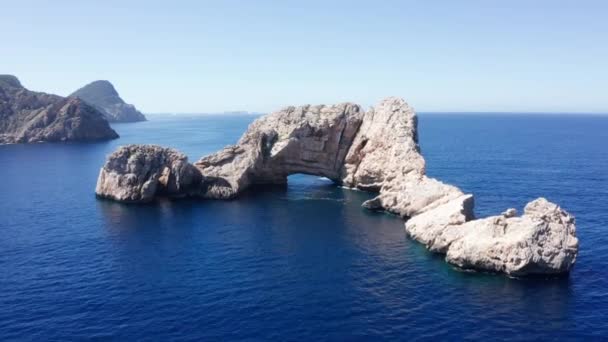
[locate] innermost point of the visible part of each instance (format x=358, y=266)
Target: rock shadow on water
x=130, y=217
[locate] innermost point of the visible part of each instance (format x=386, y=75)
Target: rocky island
x=375, y=150
x=27, y=116
x=103, y=96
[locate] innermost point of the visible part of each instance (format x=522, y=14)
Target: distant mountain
x=27, y=116
x=103, y=96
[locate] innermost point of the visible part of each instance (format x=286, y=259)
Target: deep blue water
x=304, y=262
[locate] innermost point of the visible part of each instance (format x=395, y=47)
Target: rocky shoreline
x=28, y=117
x=375, y=150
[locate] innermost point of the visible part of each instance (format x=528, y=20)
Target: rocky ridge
x=103, y=96
x=27, y=116
x=375, y=151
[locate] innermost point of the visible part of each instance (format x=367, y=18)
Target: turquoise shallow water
x=298, y=263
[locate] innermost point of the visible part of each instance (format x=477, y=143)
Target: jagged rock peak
x=102, y=95
x=388, y=136
x=99, y=88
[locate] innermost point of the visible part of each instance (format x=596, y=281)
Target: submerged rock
x=27, y=116
x=374, y=151
x=103, y=96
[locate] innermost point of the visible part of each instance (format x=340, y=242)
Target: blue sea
x=302, y=262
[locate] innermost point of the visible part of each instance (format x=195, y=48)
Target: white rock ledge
x=373, y=151
x=541, y=241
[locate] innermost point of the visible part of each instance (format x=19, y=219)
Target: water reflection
x=301, y=240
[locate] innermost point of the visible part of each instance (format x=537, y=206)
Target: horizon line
x=245, y=112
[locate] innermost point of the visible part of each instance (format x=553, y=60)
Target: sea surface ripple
x=302, y=262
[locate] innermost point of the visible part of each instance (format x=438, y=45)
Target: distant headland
x=103, y=96
x=27, y=116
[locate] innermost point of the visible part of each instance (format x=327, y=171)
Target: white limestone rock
x=511, y=212
x=385, y=148
x=373, y=151
x=541, y=241
x=412, y=194
x=139, y=173
x=385, y=157
x=435, y=228
x=308, y=139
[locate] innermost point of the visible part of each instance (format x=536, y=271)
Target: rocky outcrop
x=388, y=136
x=433, y=227
x=103, y=96
x=308, y=139
x=27, y=117
x=374, y=151
x=139, y=173
x=385, y=158
x=542, y=240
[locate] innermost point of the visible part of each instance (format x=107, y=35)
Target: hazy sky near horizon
x=213, y=56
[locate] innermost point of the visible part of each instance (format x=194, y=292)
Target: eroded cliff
x=375, y=151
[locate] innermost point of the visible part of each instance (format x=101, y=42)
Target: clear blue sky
x=210, y=56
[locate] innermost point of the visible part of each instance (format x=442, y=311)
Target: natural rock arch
x=377, y=151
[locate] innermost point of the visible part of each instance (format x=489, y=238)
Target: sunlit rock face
x=541, y=241
x=385, y=147
x=139, y=173
x=375, y=151
x=385, y=158
x=308, y=139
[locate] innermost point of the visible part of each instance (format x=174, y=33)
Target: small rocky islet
x=375, y=150
x=28, y=117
